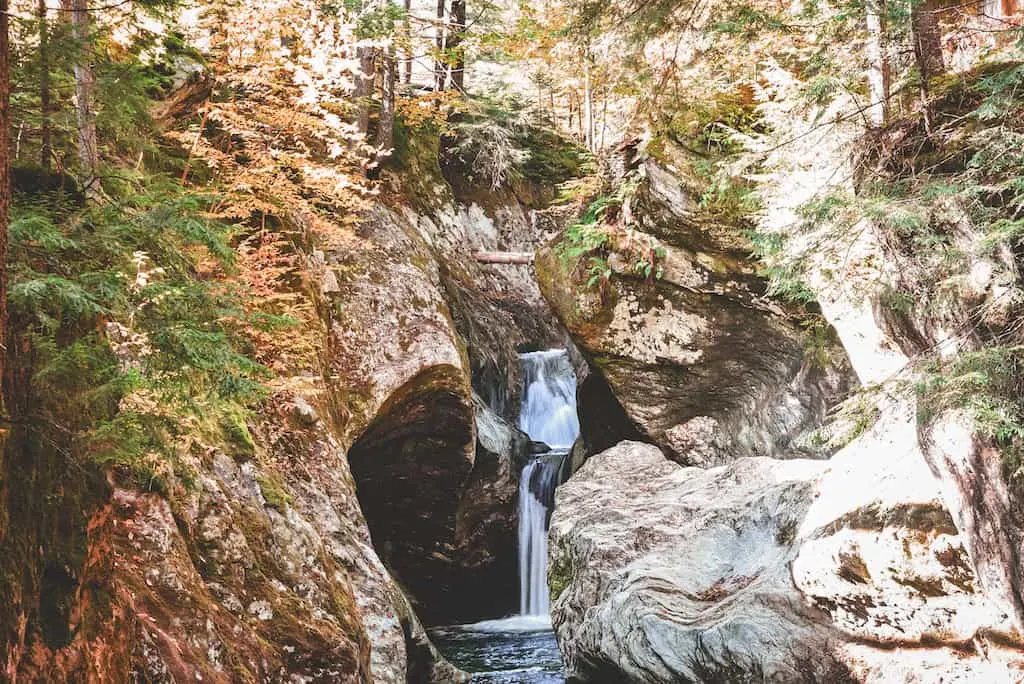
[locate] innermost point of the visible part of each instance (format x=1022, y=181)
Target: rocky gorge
x=401, y=383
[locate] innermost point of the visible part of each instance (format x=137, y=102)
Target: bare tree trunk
x=458, y=31
x=879, y=110
x=588, y=102
x=503, y=257
x=604, y=117
x=927, y=36
x=45, y=129
x=88, y=152
x=440, y=68
x=364, y=86
x=407, y=66
x=5, y=183
x=386, y=127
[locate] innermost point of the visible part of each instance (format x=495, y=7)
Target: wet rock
x=416, y=328
x=485, y=554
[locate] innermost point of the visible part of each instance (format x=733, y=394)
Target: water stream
x=522, y=649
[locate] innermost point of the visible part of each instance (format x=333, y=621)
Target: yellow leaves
x=431, y=109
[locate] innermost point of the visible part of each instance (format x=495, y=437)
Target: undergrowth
x=596, y=234
x=496, y=142
x=134, y=333
x=940, y=200
x=988, y=385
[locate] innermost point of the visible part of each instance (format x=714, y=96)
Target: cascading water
x=522, y=649
x=548, y=415
x=548, y=412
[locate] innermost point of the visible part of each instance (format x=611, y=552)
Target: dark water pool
x=518, y=650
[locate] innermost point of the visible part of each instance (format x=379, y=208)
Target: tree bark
x=440, y=68
x=458, y=35
x=927, y=35
x=588, y=102
x=407, y=66
x=88, y=152
x=879, y=110
x=364, y=86
x=45, y=128
x=504, y=257
x=5, y=183
x=386, y=126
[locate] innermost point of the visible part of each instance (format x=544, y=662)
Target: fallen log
x=504, y=257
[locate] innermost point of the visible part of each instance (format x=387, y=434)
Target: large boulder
x=701, y=362
x=799, y=570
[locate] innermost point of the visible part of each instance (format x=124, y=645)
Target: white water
x=548, y=415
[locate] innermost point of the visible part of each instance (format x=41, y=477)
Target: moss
x=786, y=534
x=235, y=429
x=560, y=576
x=924, y=518
x=274, y=491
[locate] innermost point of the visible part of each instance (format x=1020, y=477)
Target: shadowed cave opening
x=408, y=465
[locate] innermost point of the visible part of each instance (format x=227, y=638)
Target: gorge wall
x=373, y=489
x=766, y=530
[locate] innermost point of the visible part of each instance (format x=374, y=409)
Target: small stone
x=304, y=413
x=261, y=610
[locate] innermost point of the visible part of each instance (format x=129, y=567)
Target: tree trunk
x=386, y=127
x=364, y=86
x=503, y=257
x=588, y=103
x=88, y=153
x=604, y=117
x=45, y=128
x=458, y=31
x=407, y=66
x=927, y=35
x=878, y=65
x=440, y=68
x=5, y=183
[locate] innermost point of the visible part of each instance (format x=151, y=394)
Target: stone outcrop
x=377, y=490
x=423, y=349
x=262, y=571
x=845, y=570
x=858, y=272
x=896, y=560
x=486, y=520
x=702, y=364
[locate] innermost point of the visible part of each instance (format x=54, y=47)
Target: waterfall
x=548, y=411
x=548, y=415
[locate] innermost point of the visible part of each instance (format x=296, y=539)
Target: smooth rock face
x=847, y=570
x=661, y=573
x=701, y=364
